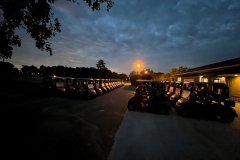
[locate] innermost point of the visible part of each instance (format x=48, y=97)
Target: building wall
x=190, y=79
x=234, y=85
x=222, y=80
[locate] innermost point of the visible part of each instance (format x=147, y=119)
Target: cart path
x=151, y=136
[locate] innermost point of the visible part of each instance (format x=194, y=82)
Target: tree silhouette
x=101, y=65
x=172, y=74
x=7, y=69
x=36, y=17
x=132, y=73
x=29, y=70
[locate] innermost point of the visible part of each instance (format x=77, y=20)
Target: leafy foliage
x=150, y=74
x=172, y=74
x=36, y=17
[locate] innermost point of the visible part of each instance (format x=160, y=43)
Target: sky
x=161, y=34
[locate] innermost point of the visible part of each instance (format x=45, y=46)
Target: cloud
x=164, y=34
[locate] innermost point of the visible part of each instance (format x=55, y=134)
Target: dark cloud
x=163, y=34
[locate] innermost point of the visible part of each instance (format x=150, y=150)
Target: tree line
x=149, y=74
x=7, y=69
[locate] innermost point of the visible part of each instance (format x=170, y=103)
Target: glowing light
x=138, y=65
x=146, y=72
x=236, y=75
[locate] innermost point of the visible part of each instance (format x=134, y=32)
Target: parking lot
x=151, y=136
x=44, y=127
x=36, y=126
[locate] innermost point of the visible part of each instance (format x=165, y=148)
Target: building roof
x=214, y=67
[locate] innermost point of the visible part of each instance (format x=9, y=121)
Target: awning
x=202, y=71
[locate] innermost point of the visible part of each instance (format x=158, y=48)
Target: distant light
x=138, y=65
x=235, y=75
x=146, y=72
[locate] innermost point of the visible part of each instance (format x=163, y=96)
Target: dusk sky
x=161, y=33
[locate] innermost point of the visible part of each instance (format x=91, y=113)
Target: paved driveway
x=144, y=136
x=60, y=127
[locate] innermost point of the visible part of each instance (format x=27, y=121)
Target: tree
x=29, y=70
x=154, y=75
x=7, y=69
x=132, y=73
x=122, y=76
x=101, y=64
x=172, y=74
x=114, y=75
x=36, y=17
x=146, y=76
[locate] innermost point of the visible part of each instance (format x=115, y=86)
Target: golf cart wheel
x=184, y=113
x=131, y=107
x=172, y=104
x=228, y=118
x=163, y=111
x=88, y=97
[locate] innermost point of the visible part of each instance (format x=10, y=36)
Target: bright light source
x=146, y=72
x=138, y=65
x=236, y=75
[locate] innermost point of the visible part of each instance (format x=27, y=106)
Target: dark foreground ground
x=36, y=125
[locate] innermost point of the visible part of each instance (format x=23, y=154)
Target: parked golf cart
x=134, y=103
x=209, y=99
x=79, y=88
x=178, y=92
x=109, y=84
x=88, y=88
x=105, y=84
x=69, y=84
x=53, y=84
x=170, y=91
x=97, y=87
x=146, y=96
x=101, y=85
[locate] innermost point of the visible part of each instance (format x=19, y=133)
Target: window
x=201, y=79
x=179, y=79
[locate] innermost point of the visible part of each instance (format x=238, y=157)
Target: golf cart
x=146, y=96
x=69, y=84
x=53, y=84
x=209, y=100
x=88, y=88
x=178, y=92
x=170, y=91
x=97, y=87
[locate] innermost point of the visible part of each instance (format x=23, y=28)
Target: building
x=222, y=72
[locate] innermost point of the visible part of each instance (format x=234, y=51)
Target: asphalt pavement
x=146, y=136
x=35, y=126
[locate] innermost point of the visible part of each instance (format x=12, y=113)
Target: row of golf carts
x=83, y=87
x=190, y=99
